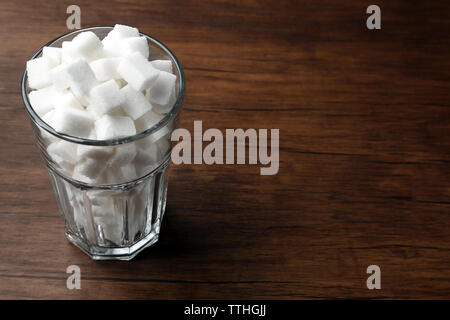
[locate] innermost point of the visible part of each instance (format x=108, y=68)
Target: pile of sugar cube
x=100, y=90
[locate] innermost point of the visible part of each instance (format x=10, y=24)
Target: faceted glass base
x=113, y=222
x=101, y=253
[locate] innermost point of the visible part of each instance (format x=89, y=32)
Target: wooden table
x=364, y=154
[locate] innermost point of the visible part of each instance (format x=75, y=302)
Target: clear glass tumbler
x=119, y=213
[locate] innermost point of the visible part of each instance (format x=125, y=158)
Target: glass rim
x=111, y=142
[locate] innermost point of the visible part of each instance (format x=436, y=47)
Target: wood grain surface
x=364, y=154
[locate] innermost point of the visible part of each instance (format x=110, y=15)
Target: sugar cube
x=65, y=99
x=161, y=90
x=105, y=69
x=47, y=118
x=110, y=127
x=112, y=47
x=71, y=121
x=128, y=173
x=42, y=100
x=91, y=168
x=146, y=156
x=163, y=65
x=85, y=45
x=113, y=44
x=145, y=162
x=156, y=137
x=123, y=155
x=64, y=149
x=163, y=109
x=122, y=31
x=105, y=97
x=38, y=72
x=137, y=71
x=118, y=175
x=94, y=152
x=65, y=52
x=63, y=164
x=135, y=104
x=148, y=120
x=52, y=54
x=99, y=197
x=135, y=44
x=77, y=75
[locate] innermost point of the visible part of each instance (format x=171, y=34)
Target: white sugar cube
x=106, y=69
x=118, y=175
x=137, y=71
x=145, y=163
x=81, y=78
x=158, y=137
x=94, y=152
x=110, y=127
x=163, y=65
x=128, y=173
x=59, y=77
x=48, y=137
x=65, y=99
x=148, y=120
x=147, y=156
x=85, y=45
x=112, y=47
x=77, y=76
x=47, y=118
x=38, y=72
x=135, y=104
x=161, y=90
x=123, y=155
x=71, y=121
x=42, y=100
x=62, y=163
x=99, y=197
x=102, y=207
x=103, y=210
x=163, y=109
x=162, y=139
x=135, y=44
x=65, y=52
x=104, y=98
x=122, y=31
x=91, y=168
x=113, y=44
x=79, y=177
x=64, y=149
x=52, y=54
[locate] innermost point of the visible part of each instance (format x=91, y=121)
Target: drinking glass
x=118, y=214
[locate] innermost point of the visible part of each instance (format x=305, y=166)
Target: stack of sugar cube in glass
x=101, y=90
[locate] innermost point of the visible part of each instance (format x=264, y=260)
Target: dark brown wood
x=364, y=174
